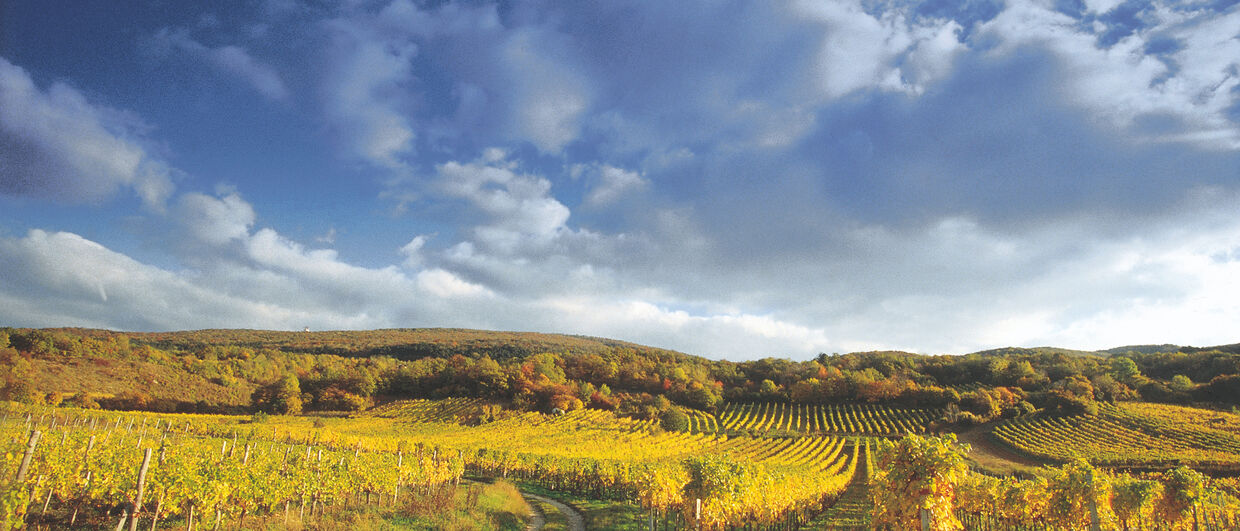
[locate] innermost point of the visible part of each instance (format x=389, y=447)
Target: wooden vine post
x=29, y=455
x=137, y=504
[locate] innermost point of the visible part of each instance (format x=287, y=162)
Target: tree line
x=340, y=371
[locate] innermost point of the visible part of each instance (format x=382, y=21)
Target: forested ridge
x=239, y=370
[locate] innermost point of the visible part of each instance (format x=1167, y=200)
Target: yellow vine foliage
x=918, y=473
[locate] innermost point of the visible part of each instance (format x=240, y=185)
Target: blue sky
x=730, y=179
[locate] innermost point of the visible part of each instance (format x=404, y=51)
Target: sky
x=735, y=180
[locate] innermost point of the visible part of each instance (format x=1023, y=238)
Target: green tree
x=282, y=397
x=81, y=399
x=1125, y=370
x=1181, y=383
x=674, y=420
x=700, y=397
x=768, y=387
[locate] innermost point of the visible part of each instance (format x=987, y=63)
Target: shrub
x=674, y=420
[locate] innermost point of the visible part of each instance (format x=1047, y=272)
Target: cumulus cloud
x=954, y=286
x=364, y=90
x=887, y=51
x=550, y=98
x=611, y=183
x=286, y=287
x=214, y=220
x=734, y=336
x=445, y=284
x=520, y=209
x=229, y=59
x=1123, y=82
x=450, y=76
x=55, y=144
x=413, y=251
x=731, y=180
x=71, y=279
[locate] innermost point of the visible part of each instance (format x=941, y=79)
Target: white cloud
x=57, y=145
x=1102, y=6
x=732, y=336
x=327, y=238
x=413, y=251
x=862, y=51
x=291, y=287
x=215, y=221
x=447, y=285
x=611, y=183
x=230, y=59
x=364, y=91
x=1123, y=82
x=958, y=286
x=66, y=274
x=551, y=99
x=520, y=208
x=955, y=286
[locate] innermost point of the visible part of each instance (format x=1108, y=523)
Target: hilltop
x=228, y=370
x=399, y=343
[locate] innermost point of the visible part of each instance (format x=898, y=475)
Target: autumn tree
x=282, y=397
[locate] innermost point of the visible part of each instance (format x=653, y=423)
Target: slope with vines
x=842, y=419
x=1131, y=435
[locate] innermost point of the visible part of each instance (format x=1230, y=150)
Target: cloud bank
x=735, y=181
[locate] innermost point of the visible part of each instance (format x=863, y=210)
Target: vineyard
x=211, y=469
x=452, y=410
x=1131, y=435
x=99, y=467
x=65, y=467
x=847, y=419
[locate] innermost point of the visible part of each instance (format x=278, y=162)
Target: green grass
x=555, y=520
x=852, y=511
x=598, y=514
x=496, y=506
x=493, y=506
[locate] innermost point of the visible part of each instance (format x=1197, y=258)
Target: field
x=233, y=468
x=848, y=419
x=374, y=468
x=1131, y=435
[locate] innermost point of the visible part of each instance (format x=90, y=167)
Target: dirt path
x=992, y=456
x=537, y=518
x=576, y=522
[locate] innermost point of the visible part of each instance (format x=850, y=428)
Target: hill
x=402, y=343
x=1038, y=351
x=235, y=370
x=1144, y=349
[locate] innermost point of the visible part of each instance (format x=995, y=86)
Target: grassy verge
x=472, y=506
x=598, y=514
